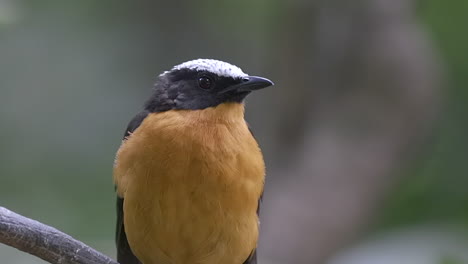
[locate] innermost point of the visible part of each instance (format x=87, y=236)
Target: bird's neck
x=223, y=113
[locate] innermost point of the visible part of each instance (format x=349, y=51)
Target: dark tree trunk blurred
x=371, y=83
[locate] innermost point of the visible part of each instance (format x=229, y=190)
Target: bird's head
x=202, y=83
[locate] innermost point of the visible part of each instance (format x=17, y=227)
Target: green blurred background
x=73, y=73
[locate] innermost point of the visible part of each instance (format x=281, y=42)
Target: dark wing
x=252, y=259
x=124, y=253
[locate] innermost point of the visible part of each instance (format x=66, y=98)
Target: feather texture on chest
x=191, y=181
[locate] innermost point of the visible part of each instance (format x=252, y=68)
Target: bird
x=189, y=174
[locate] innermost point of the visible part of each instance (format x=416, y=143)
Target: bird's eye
x=205, y=82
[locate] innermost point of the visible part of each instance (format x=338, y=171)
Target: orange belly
x=191, y=181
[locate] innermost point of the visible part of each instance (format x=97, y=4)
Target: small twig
x=46, y=242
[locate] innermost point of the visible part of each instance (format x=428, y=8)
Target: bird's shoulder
x=135, y=123
x=124, y=253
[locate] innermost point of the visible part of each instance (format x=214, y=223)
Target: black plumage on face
x=200, y=84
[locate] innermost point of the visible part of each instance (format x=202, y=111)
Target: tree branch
x=46, y=242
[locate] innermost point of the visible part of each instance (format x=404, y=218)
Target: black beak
x=250, y=83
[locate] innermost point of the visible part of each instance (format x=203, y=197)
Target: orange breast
x=191, y=182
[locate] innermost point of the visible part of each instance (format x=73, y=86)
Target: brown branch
x=46, y=242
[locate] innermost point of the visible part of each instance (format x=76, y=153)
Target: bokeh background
x=364, y=134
